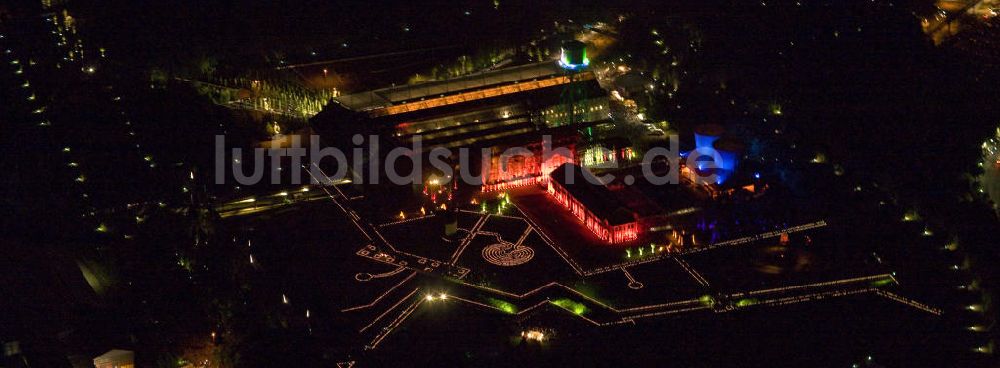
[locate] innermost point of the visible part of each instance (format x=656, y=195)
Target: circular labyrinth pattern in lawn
x=507, y=254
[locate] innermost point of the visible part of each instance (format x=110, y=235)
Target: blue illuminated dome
x=731, y=151
x=706, y=134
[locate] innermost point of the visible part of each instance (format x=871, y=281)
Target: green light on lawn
x=570, y=305
x=506, y=307
x=882, y=282
x=707, y=300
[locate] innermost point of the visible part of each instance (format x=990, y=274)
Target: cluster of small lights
x=914, y=216
x=511, y=184
x=594, y=108
x=277, y=97
x=433, y=297
x=39, y=111
x=644, y=251
x=507, y=254
x=989, y=181
x=502, y=200
x=534, y=335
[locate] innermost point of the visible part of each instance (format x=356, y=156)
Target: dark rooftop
x=589, y=190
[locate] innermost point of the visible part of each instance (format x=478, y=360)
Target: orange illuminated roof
x=479, y=94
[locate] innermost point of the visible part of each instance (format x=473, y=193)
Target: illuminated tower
x=573, y=59
x=574, y=56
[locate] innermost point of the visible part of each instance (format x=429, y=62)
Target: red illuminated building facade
x=529, y=165
x=593, y=204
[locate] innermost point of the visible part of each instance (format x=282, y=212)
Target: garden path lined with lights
x=566, y=298
x=406, y=300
